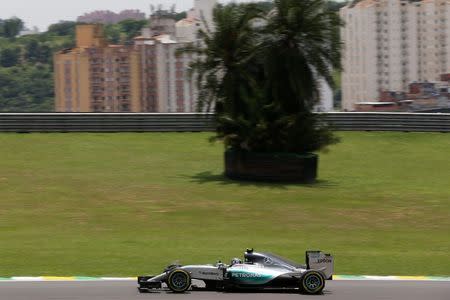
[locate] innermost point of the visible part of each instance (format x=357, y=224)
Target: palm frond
x=262, y=82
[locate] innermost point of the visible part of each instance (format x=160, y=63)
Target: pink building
x=109, y=17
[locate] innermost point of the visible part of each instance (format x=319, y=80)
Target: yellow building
x=97, y=77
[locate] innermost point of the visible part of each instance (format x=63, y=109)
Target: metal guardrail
x=104, y=122
x=145, y=122
x=426, y=122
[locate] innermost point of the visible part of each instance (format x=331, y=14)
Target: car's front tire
x=312, y=282
x=179, y=281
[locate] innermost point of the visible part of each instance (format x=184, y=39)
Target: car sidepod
x=254, y=276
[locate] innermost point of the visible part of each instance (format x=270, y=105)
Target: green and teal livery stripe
x=335, y=277
x=246, y=277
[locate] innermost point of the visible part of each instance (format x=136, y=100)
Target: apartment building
x=391, y=43
x=147, y=76
x=144, y=77
x=95, y=76
x=165, y=83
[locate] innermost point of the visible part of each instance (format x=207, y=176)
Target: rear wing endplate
x=318, y=260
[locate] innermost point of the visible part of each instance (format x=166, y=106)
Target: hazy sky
x=42, y=13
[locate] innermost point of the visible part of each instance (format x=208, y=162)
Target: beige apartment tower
x=96, y=77
x=391, y=43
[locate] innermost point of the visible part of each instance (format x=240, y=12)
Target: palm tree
x=227, y=71
x=260, y=74
x=301, y=45
x=223, y=64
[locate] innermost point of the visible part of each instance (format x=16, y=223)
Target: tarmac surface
x=126, y=290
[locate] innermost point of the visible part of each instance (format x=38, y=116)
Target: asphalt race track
x=126, y=290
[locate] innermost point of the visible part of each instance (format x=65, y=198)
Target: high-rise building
x=147, y=76
x=144, y=77
x=165, y=84
x=391, y=43
x=203, y=10
x=95, y=76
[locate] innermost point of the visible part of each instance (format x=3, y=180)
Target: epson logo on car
x=323, y=260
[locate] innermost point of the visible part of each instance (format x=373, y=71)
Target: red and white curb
x=335, y=277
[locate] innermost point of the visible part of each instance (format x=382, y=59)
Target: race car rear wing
x=320, y=261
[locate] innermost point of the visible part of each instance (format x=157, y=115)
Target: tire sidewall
x=177, y=289
x=304, y=286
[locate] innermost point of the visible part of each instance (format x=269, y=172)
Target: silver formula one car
x=257, y=271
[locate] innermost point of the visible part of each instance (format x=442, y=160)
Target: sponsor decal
x=249, y=277
x=268, y=261
x=208, y=273
x=246, y=267
x=324, y=260
x=246, y=275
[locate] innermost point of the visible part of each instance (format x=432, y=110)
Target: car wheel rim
x=179, y=280
x=313, y=282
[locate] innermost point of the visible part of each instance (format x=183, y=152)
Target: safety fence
x=148, y=122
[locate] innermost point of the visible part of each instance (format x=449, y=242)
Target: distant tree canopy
x=132, y=28
x=62, y=28
x=9, y=57
x=10, y=28
x=124, y=31
x=26, y=88
x=26, y=62
x=36, y=52
x=26, y=65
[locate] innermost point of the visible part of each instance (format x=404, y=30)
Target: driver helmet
x=236, y=261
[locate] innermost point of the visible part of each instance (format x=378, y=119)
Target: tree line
x=26, y=62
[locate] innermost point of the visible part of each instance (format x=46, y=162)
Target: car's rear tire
x=312, y=282
x=179, y=281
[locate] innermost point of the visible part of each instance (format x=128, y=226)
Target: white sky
x=42, y=13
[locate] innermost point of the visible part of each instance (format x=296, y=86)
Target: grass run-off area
x=129, y=204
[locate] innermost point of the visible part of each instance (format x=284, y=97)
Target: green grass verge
x=128, y=204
